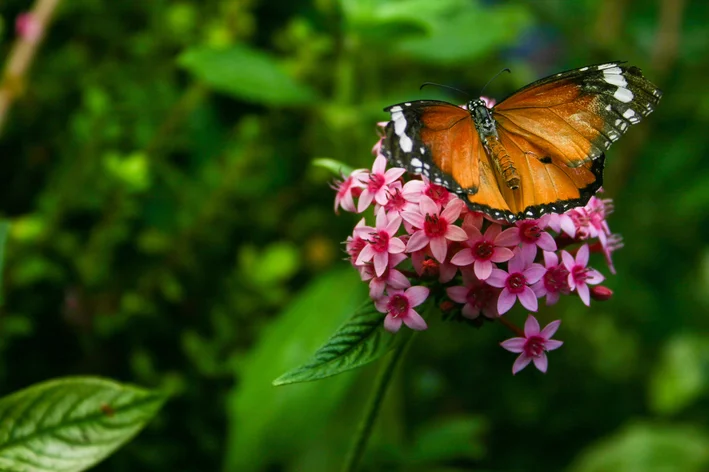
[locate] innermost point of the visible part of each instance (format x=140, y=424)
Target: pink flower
x=381, y=242
x=436, y=227
x=415, y=189
x=345, y=191
x=581, y=276
x=398, y=306
x=515, y=284
x=531, y=234
x=377, y=183
x=391, y=278
x=425, y=265
x=477, y=297
x=397, y=202
x=555, y=280
x=562, y=223
x=355, y=243
x=489, y=102
x=534, y=344
x=27, y=27
x=482, y=250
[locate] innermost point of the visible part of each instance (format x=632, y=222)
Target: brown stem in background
x=21, y=56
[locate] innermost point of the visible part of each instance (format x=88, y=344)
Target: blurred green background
x=168, y=229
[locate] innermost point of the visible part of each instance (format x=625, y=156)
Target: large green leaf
x=246, y=74
x=268, y=425
x=359, y=341
x=70, y=424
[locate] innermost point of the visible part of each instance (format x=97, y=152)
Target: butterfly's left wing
x=436, y=139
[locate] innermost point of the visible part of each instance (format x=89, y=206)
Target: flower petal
x=365, y=255
x=417, y=241
x=506, y=301
x=381, y=260
x=458, y=294
x=452, y=210
x=455, y=233
x=528, y=299
x=568, y=260
x=550, y=329
x=515, y=345
x=582, y=256
x=417, y=295
x=509, y=237
x=483, y=269
x=546, y=242
x=531, y=326
x=464, y=257
x=393, y=174
x=376, y=288
x=469, y=311
x=517, y=263
x=552, y=344
x=541, y=362
x=381, y=304
x=497, y=278
x=520, y=363
x=584, y=293
x=534, y=273
x=380, y=164
x=414, y=218
x=365, y=199
x=392, y=324
x=439, y=248
x=550, y=259
x=502, y=254
x=414, y=321
x=396, y=246
x=428, y=206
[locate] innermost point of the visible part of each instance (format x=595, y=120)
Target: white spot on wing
x=623, y=94
x=629, y=113
x=416, y=162
x=394, y=109
x=405, y=143
x=614, y=79
x=583, y=69
x=407, y=104
x=605, y=66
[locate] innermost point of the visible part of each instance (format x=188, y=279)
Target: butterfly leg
x=502, y=161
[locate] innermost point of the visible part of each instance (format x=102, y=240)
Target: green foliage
x=167, y=227
x=70, y=424
x=356, y=343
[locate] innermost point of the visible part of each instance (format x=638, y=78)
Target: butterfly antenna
x=444, y=86
x=493, y=78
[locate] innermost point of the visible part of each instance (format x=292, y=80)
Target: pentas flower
x=377, y=183
x=581, y=276
x=482, y=250
x=348, y=188
x=529, y=234
x=435, y=227
x=476, y=296
x=381, y=242
x=534, y=345
x=555, y=281
x=515, y=284
x=399, y=307
x=426, y=243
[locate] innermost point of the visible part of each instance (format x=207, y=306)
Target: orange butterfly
x=540, y=150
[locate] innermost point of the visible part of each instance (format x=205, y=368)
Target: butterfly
x=541, y=150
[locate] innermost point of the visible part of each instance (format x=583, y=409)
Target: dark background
x=169, y=230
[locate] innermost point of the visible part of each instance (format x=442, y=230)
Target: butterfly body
x=541, y=150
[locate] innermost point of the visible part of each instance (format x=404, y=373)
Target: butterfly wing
x=436, y=139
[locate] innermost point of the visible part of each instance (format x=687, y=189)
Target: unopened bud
x=601, y=293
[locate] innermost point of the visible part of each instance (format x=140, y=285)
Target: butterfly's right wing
x=436, y=139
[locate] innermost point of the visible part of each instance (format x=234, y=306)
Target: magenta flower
x=476, y=296
x=399, y=307
x=391, y=278
x=377, y=183
x=436, y=227
x=415, y=189
x=28, y=27
x=355, y=243
x=581, y=276
x=534, y=344
x=530, y=234
x=482, y=250
x=555, y=281
x=398, y=202
x=425, y=265
x=381, y=242
x=515, y=284
x=562, y=223
x=345, y=191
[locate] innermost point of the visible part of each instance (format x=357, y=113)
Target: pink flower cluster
x=425, y=242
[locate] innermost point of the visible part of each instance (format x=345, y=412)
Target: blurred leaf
x=451, y=439
x=360, y=341
x=247, y=74
x=334, y=166
x=451, y=41
x=70, y=424
x=682, y=374
x=268, y=424
x=647, y=447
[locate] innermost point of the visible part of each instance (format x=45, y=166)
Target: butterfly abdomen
x=503, y=161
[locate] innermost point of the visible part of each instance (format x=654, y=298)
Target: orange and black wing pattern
x=543, y=150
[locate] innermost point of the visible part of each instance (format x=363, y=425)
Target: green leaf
x=245, y=73
x=334, y=166
x=267, y=424
x=648, y=447
x=70, y=424
x=682, y=375
x=4, y=230
x=359, y=341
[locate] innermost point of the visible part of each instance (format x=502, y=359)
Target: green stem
x=364, y=431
